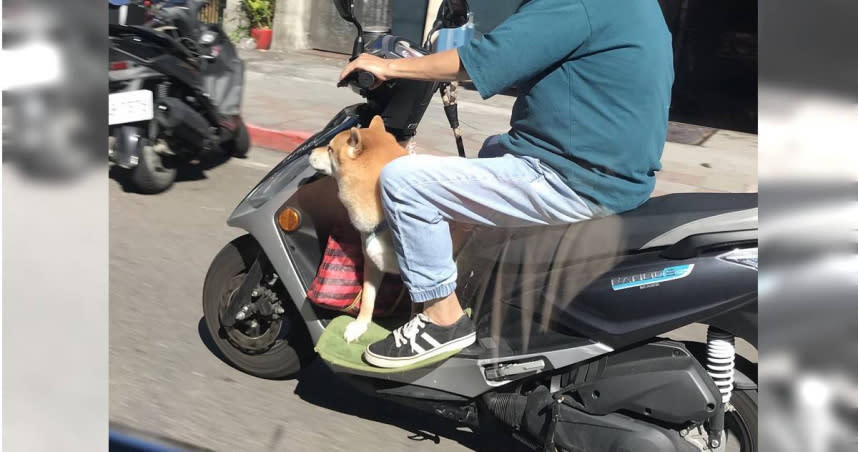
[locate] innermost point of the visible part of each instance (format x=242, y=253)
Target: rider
x=587, y=132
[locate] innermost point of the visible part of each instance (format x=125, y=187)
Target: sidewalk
x=296, y=92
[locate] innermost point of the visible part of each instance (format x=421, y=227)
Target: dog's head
x=347, y=148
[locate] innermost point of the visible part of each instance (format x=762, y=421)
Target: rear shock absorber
x=720, y=362
x=163, y=89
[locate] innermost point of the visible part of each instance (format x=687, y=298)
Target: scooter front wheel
x=272, y=347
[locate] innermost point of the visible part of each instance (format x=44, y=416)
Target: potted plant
x=260, y=14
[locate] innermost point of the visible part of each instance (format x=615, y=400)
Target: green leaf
x=260, y=13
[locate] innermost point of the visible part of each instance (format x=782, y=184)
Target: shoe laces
x=406, y=333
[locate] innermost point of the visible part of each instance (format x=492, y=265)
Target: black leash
x=451, y=109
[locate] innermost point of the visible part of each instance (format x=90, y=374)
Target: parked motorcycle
x=175, y=93
x=570, y=319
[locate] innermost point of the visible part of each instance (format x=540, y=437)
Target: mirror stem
x=357, y=48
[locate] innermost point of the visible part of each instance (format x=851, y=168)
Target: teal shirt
x=594, y=80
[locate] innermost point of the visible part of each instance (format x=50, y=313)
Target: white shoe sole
x=392, y=363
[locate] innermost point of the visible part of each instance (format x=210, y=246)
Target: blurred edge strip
x=126, y=440
x=278, y=140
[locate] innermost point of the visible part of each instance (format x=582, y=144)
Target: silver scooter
x=570, y=319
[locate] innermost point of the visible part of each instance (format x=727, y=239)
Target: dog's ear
x=377, y=124
x=354, y=142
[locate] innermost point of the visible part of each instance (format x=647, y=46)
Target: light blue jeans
x=421, y=193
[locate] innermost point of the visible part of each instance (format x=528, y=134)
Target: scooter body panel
x=257, y=214
x=619, y=299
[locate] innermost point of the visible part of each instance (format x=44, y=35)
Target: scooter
x=175, y=93
x=571, y=319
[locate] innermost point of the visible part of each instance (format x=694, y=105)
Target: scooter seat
x=686, y=214
x=660, y=222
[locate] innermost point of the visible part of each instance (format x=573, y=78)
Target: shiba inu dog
x=355, y=158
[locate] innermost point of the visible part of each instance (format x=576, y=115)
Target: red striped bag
x=338, y=283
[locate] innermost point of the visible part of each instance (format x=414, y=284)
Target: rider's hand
x=369, y=63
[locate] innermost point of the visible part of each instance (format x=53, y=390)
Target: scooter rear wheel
x=741, y=423
x=153, y=173
x=280, y=349
x=240, y=143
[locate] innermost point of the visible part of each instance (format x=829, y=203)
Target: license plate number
x=130, y=106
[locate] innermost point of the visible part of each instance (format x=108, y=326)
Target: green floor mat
x=332, y=347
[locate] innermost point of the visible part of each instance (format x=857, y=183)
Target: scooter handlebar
x=362, y=79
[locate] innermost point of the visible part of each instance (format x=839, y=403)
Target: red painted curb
x=278, y=140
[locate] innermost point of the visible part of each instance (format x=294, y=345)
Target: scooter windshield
x=283, y=173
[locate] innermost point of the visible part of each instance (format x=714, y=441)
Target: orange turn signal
x=289, y=219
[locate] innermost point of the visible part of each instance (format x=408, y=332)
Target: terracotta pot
x=262, y=37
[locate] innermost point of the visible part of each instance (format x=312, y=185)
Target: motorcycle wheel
x=741, y=422
x=240, y=144
x=153, y=174
x=276, y=350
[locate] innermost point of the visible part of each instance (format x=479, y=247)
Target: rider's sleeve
x=540, y=34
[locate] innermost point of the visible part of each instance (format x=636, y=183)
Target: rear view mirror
x=346, y=9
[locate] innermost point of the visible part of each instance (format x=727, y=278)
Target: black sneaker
x=418, y=340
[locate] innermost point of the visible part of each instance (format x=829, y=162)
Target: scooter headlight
x=746, y=257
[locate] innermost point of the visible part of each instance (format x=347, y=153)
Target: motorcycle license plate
x=130, y=106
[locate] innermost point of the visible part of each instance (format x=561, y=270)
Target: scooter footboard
x=333, y=348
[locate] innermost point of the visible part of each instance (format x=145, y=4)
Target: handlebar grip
x=362, y=79
x=365, y=79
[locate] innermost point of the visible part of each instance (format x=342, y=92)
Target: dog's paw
x=355, y=330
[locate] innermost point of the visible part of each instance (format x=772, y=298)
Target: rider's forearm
x=440, y=67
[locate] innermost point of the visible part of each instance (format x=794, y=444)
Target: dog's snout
x=320, y=161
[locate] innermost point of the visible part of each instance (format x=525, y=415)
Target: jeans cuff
x=440, y=291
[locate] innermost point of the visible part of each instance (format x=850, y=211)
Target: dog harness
x=383, y=226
